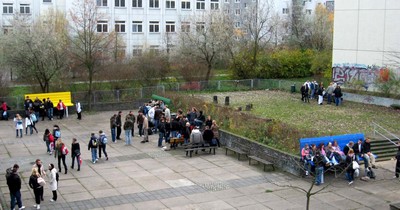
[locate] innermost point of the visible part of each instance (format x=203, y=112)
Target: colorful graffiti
x=343, y=73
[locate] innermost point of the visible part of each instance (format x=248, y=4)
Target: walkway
x=142, y=176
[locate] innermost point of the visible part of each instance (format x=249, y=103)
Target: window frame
x=119, y=3
x=185, y=27
x=139, y=3
x=102, y=24
x=185, y=5
x=214, y=5
x=170, y=27
x=47, y=1
x=171, y=5
x=154, y=26
x=100, y=3
x=25, y=9
x=120, y=25
x=154, y=4
x=200, y=4
x=285, y=11
x=139, y=25
x=7, y=7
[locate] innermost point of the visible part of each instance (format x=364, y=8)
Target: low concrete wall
x=285, y=161
x=365, y=99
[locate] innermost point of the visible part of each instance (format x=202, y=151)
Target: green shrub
x=395, y=106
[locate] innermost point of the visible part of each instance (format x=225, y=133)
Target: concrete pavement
x=143, y=176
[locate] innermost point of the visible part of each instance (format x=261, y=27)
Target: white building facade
x=366, y=36
x=144, y=24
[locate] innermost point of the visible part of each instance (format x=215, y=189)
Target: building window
x=170, y=27
x=46, y=1
x=308, y=11
x=101, y=3
x=154, y=49
x=200, y=26
x=137, y=3
x=154, y=3
x=170, y=4
x=154, y=27
x=185, y=4
x=24, y=9
x=137, y=50
x=285, y=11
x=237, y=11
x=200, y=4
x=227, y=11
x=237, y=24
x=237, y=1
x=102, y=26
x=7, y=29
x=120, y=26
x=8, y=8
x=137, y=26
x=185, y=27
x=214, y=5
x=226, y=1
x=120, y=3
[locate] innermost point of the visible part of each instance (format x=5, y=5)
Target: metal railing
x=382, y=131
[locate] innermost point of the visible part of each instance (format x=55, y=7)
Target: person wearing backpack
x=56, y=132
x=53, y=182
x=14, y=185
x=75, y=153
x=103, y=143
x=92, y=146
x=60, y=152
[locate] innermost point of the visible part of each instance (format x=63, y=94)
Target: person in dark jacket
x=208, y=135
x=338, y=95
x=37, y=188
x=14, y=185
x=200, y=119
x=161, y=134
x=319, y=168
x=369, y=158
x=397, y=169
x=139, y=122
x=186, y=132
x=75, y=153
x=118, y=122
x=349, y=164
x=92, y=146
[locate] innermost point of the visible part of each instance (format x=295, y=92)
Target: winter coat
x=52, y=179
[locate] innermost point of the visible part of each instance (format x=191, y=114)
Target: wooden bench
x=55, y=97
x=238, y=149
x=175, y=141
x=194, y=148
x=259, y=160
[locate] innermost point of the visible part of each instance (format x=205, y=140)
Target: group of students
x=36, y=183
x=333, y=92
x=317, y=158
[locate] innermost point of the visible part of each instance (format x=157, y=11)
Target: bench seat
x=194, y=148
x=235, y=150
x=259, y=160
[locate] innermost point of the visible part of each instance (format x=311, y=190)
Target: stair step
x=374, y=148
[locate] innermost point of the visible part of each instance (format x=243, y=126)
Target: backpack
x=94, y=142
x=64, y=150
x=51, y=138
x=9, y=172
x=57, y=133
x=33, y=118
x=104, y=140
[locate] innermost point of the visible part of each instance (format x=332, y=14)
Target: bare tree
x=297, y=25
x=321, y=29
x=260, y=23
x=206, y=38
x=37, y=50
x=91, y=41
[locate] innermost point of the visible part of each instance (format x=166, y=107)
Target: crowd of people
x=313, y=90
x=317, y=158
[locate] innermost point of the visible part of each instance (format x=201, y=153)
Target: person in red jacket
x=61, y=108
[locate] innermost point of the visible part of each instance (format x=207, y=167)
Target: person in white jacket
x=53, y=181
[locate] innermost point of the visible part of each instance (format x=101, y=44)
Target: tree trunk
x=90, y=87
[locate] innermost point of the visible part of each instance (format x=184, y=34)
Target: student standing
x=53, y=182
x=14, y=185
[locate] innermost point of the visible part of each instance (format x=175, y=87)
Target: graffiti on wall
x=343, y=73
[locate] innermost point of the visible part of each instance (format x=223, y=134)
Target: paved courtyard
x=143, y=176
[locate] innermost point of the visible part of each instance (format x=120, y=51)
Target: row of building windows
x=8, y=8
x=154, y=26
x=152, y=3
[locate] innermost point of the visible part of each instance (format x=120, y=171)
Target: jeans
x=50, y=113
x=319, y=179
x=20, y=132
x=15, y=197
x=160, y=138
x=30, y=130
x=337, y=101
x=329, y=98
x=312, y=93
x=77, y=160
x=113, y=134
x=48, y=146
x=140, y=127
x=128, y=136
x=103, y=147
x=350, y=176
x=62, y=157
x=94, y=154
x=155, y=122
x=37, y=117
